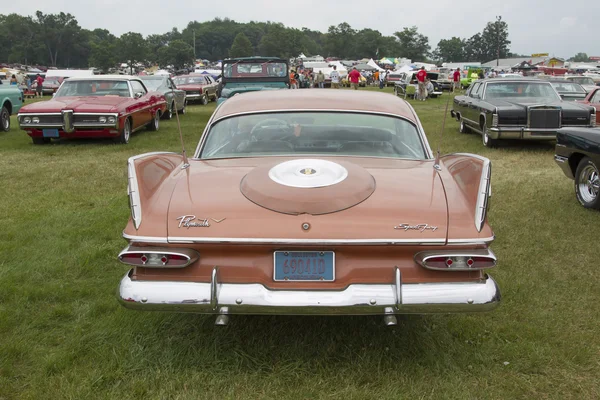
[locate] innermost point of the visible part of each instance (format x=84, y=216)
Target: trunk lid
x=407, y=203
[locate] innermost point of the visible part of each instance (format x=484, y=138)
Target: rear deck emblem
x=417, y=227
x=190, y=221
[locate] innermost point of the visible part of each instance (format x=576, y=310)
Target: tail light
x=456, y=260
x=158, y=257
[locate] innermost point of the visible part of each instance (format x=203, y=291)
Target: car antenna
x=186, y=163
x=436, y=165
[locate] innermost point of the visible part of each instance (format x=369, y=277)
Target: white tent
x=372, y=63
x=385, y=61
x=404, y=68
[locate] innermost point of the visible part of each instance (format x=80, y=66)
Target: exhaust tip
x=390, y=320
x=222, y=320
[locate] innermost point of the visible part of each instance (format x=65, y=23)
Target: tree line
x=58, y=40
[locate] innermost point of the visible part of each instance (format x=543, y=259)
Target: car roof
x=315, y=100
x=255, y=58
x=105, y=78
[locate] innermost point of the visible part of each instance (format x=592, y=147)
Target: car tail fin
x=436, y=165
x=183, y=153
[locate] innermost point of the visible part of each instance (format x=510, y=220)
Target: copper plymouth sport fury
x=309, y=202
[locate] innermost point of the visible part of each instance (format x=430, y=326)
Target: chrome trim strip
x=42, y=126
x=398, y=286
x=145, y=239
x=36, y=114
x=483, y=194
x=560, y=159
x=471, y=242
x=99, y=114
x=356, y=299
x=212, y=121
x=312, y=242
x=422, y=257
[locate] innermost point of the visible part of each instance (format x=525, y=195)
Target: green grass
x=63, y=335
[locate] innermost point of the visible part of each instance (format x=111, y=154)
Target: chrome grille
x=49, y=119
x=545, y=118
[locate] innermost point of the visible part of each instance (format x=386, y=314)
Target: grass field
x=63, y=335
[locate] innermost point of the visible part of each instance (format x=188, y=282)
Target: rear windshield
x=310, y=133
x=521, y=90
x=568, y=87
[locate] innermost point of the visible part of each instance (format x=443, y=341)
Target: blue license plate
x=304, y=266
x=50, y=133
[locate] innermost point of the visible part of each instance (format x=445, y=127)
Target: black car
x=176, y=98
x=578, y=154
x=569, y=91
x=525, y=108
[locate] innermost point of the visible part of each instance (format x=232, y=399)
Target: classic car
x=585, y=81
x=11, y=101
x=593, y=99
x=445, y=81
x=309, y=202
x=251, y=74
x=410, y=79
x=198, y=87
x=568, y=91
x=468, y=79
x=394, y=77
x=103, y=106
x=523, y=108
x=175, y=98
x=49, y=86
x=578, y=155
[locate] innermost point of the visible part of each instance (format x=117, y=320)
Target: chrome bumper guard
x=356, y=299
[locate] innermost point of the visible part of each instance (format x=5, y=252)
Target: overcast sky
x=561, y=28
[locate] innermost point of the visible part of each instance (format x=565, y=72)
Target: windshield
x=582, y=80
x=568, y=87
x=265, y=69
x=519, y=90
x=152, y=84
x=94, y=88
x=189, y=80
x=311, y=133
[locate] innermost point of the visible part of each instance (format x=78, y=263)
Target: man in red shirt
x=354, y=76
x=456, y=79
x=40, y=83
x=421, y=76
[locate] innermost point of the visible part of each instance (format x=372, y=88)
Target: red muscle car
x=198, y=87
x=94, y=107
x=593, y=99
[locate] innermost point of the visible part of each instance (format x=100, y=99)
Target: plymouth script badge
x=417, y=227
x=190, y=221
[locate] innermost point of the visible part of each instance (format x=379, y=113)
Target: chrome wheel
x=587, y=184
x=463, y=127
x=183, y=110
x=204, y=100
x=155, y=121
x=4, y=119
x=171, y=111
x=125, y=133
x=487, y=140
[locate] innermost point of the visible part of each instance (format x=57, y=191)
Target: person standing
x=354, y=77
x=293, y=81
x=456, y=80
x=382, y=76
x=13, y=80
x=28, y=83
x=320, y=79
x=335, y=78
x=421, y=76
x=40, y=82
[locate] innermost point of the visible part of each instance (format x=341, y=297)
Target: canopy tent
x=386, y=61
x=373, y=64
x=364, y=67
x=404, y=68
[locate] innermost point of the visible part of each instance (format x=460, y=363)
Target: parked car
x=102, y=106
x=445, y=81
x=251, y=74
x=49, y=86
x=593, y=100
x=309, y=202
x=410, y=79
x=11, y=101
x=174, y=97
x=585, y=81
x=523, y=108
x=568, y=91
x=578, y=155
x=198, y=87
x=394, y=77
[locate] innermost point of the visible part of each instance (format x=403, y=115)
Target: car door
x=178, y=94
x=141, y=114
x=594, y=101
x=464, y=105
x=211, y=87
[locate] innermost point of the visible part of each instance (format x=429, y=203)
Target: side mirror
x=138, y=95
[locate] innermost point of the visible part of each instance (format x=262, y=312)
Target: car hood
x=379, y=199
x=78, y=104
x=231, y=89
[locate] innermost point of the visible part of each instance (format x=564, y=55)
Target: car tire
x=184, y=108
x=395, y=91
x=4, y=119
x=204, y=99
x=125, y=133
x=169, y=114
x=487, y=140
x=155, y=123
x=587, y=184
x=463, y=127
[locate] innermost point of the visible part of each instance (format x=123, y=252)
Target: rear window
x=310, y=133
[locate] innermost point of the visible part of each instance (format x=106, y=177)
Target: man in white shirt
x=335, y=78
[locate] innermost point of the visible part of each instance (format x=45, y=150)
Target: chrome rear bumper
x=356, y=299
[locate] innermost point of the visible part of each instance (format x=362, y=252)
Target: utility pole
x=498, y=18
